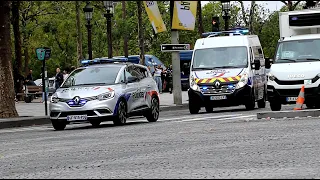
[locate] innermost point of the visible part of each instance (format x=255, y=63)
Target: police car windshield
x=222, y=57
x=298, y=51
x=92, y=76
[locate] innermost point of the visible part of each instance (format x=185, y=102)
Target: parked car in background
x=51, y=88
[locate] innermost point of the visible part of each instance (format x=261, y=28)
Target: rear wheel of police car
x=153, y=113
x=58, y=125
x=121, y=117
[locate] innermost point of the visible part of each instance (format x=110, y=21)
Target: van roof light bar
x=224, y=33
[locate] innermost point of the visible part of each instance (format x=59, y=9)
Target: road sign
x=40, y=53
x=175, y=47
x=43, y=53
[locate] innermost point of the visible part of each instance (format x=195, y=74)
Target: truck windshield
x=298, y=51
x=222, y=57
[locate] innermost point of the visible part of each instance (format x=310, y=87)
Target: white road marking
x=204, y=118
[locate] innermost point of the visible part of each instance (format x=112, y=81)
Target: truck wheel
x=209, y=109
x=262, y=102
x=275, y=105
x=252, y=103
x=310, y=105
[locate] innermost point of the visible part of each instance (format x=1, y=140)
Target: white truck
x=297, y=60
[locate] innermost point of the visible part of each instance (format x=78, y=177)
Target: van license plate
x=77, y=118
x=218, y=98
x=290, y=99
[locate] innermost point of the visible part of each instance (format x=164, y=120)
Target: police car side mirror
x=256, y=64
x=132, y=79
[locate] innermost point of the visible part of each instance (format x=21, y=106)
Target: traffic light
x=215, y=24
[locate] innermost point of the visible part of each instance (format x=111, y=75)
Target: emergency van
x=227, y=69
x=297, y=60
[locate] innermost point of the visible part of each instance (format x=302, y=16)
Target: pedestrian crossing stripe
x=211, y=80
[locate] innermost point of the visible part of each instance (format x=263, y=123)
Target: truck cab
x=227, y=68
x=297, y=60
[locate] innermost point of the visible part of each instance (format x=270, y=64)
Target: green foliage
x=53, y=24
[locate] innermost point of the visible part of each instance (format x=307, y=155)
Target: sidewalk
x=36, y=108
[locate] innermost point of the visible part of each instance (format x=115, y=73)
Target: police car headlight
x=243, y=81
x=106, y=96
x=193, y=84
x=54, y=99
x=271, y=77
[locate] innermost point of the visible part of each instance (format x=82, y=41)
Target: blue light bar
x=234, y=31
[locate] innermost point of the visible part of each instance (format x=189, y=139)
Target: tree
x=199, y=12
x=7, y=103
x=79, y=34
x=17, y=41
x=140, y=32
x=125, y=37
x=291, y=6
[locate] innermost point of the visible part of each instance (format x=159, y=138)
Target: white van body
x=297, y=60
x=219, y=78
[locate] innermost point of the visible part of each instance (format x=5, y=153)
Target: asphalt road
x=229, y=143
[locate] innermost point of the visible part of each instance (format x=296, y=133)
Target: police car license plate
x=218, y=97
x=77, y=118
x=290, y=99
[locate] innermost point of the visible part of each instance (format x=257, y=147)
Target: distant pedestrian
x=157, y=77
x=65, y=73
x=58, y=78
x=72, y=68
x=29, y=79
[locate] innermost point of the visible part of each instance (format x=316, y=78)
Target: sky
x=271, y=5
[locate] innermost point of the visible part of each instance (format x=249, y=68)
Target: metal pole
x=89, y=26
x=176, y=73
x=226, y=21
x=108, y=16
x=44, y=86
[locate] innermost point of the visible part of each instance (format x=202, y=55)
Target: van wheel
x=262, y=102
x=58, y=125
x=153, y=114
x=275, y=105
x=194, y=108
x=252, y=103
x=121, y=118
x=209, y=109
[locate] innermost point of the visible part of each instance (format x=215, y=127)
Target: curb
x=41, y=120
x=24, y=121
x=289, y=114
x=174, y=107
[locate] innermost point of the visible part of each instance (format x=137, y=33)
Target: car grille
x=86, y=98
x=280, y=82
x=222, y=89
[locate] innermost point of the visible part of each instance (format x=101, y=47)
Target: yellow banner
x=184, y=15
x=154, y=16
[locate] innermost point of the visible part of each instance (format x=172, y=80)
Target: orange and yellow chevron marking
x=211, y=80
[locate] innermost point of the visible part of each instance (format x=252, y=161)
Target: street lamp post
x=225, y=14
x=109, y=13
x=88, y=9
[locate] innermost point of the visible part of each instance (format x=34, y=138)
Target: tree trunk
x=7, y=103
x=79, y=35
x=17, y=43
x=200, y=27
x=125, y=36
x=140, y=31
x=244, y=17
x=26, y=56
x=251, y=16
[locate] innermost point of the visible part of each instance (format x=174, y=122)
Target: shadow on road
x=103, y=125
